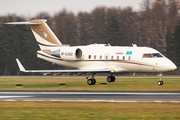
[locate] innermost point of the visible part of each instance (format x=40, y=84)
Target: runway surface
x=90, y=96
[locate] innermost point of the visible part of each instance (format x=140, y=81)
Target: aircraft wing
x=22, y=69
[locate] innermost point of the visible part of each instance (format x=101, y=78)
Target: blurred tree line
x=152, y=26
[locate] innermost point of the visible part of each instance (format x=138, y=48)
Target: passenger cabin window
x=152, y=55
x=89, y=56
x=101, y=57
x=95, y=57
x=123, y=57
x=129, y=58
x=111, y=57
x=117, y=57
x=106, y=57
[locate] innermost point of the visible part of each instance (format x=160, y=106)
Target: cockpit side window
x=156, y=55
x=152, y=55
x=147, y=56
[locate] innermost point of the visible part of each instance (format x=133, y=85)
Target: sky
x=30, y=8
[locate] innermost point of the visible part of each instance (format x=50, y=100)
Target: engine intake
x=78, y=53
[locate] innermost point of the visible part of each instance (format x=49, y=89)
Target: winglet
x=20, y=66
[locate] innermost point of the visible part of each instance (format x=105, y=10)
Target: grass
x=121, y=84
x=88, y=111
x=18, y=110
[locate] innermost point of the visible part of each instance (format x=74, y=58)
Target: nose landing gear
x=160, y=82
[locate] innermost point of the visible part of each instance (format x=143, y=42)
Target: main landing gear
x=92, y=81
x=160, y=82
x=111, y=78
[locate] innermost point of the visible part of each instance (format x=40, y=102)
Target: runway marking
x=55, y=100
x=14, y=96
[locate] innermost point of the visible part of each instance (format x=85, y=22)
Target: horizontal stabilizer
x=44, y=36
x=23, y=23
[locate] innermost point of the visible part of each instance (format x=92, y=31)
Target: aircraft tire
x=109, y=79
x=160, y=83
x=113, y=79
x=89, y=81
x=94, y=81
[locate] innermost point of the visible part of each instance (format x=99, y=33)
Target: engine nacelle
x=68, y=53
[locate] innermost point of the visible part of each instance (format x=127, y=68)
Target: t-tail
x=45, y=38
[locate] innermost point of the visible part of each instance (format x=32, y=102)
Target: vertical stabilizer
x=44, y=35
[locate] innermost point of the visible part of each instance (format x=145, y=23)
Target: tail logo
x=45, y=35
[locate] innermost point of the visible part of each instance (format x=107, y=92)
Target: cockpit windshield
x=152, y=55
x=156, y=55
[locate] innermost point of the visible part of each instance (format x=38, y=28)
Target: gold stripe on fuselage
x=120, y=61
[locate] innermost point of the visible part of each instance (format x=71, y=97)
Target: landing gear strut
x=111, y=78
x=160, y=82
x=91, y=80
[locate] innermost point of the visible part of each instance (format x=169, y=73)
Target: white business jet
x=95, y=58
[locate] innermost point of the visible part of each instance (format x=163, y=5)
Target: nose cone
x=167, y=65
x=173, y=66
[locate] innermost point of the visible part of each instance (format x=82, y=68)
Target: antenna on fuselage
x=134, y=45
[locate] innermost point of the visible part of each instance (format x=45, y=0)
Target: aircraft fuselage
x=120, y=59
